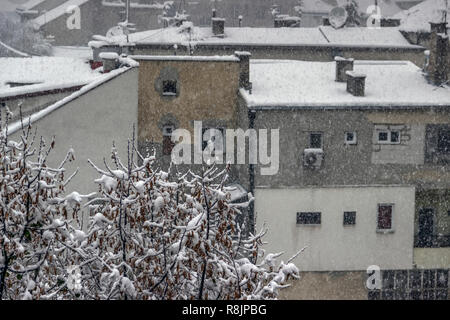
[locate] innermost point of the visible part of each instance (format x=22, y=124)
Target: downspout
x=251, y=178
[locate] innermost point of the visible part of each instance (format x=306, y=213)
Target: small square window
x=383, y=136
x=315, y=140
x=312, y=218
x=169, y=88
x=349, y=218
x=395, y=136
x=384, y=219
x=350, y=138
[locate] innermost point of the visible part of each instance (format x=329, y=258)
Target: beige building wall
x=207, y=91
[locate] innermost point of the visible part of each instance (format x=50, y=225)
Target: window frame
x=310, y=134
x=299, y=214
x=221, y=129
x=382, y=230
x=173, y=86
x=354, y=219
x=167, y=135
x=389, y=137
x=351, y=142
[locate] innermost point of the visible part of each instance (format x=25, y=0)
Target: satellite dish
x=114, y=32
x=338, y=17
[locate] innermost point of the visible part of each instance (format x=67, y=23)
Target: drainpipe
x=251, y=178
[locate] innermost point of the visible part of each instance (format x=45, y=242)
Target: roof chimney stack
x=342, y=66
x=244, y=72
x=110, y=61
x=356, y=83
x=218, y=27
x=438, y=65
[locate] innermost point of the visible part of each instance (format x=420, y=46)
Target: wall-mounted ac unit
x=313, y=158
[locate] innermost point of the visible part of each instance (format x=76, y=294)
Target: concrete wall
x=352, y=164
x=432, y=258
x=327, y=286
x=89, y=125
x=331, y=245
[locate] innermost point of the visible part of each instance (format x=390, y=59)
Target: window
x=389, y=136
x=169, y=88
x=443, y=143
x=349, y=218
x=167, y=139
x=309, y=218
x=350, y=138
x=315, y=140
x=216, y=136
x=384, y=220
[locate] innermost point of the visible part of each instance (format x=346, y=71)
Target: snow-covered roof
x=322, y=36
x=316, y=6
x=14, y=127
x=30, y=4
x=43, y=73
x=287, y=83
x=365, y=36
x=57, y=12
x=187, y=58
x=418, y=18
x=388, y=8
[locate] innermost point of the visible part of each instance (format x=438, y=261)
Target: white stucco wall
x=89, y=124
x=331, y=245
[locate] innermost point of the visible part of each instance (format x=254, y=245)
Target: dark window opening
x=167, y=140
x=315, y=140
x=383, y=136
x=210, y=134
x=169, y=88
x=349, y=218
x=395, y=136
x=384, y=216
x=350, y=138
x=309, y=217
x=443, y=144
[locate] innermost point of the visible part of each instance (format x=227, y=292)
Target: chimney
x=214, y=13
x=342, y=66
x=389, y=22
x=110, y=61
x=440, y=27
x=438, y=64
x=218, y=26
x=244, y=69
x=356, y=83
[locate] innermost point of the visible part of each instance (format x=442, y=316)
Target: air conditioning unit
x=313, y=158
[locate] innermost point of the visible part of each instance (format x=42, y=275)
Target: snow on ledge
x=187, y=58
